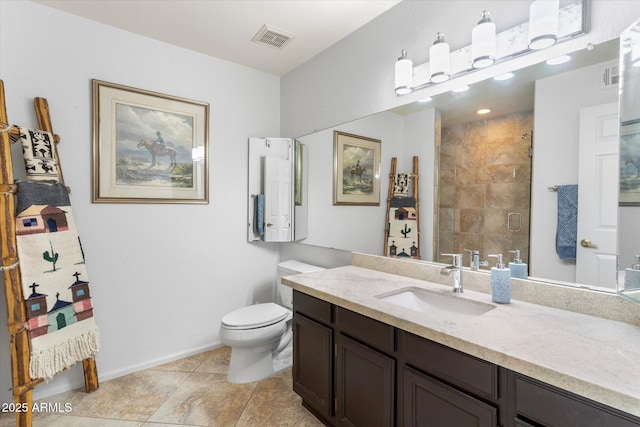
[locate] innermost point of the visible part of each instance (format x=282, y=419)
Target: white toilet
x=260, y=335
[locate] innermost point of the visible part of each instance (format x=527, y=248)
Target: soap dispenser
x=632, y=275
x=500, y=282
x=517, y=267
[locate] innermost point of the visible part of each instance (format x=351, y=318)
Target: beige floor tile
x=166, y=425
x=188, y=364
x=216, y=362
x=205, y=400
x=71, y=421
x=173, y=395
x=134, y=397
x=274, y=404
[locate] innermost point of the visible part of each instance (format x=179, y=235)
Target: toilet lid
x=256, y=315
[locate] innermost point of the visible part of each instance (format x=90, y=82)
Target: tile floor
x=188, y=392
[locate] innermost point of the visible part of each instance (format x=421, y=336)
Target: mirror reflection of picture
x=356, y=170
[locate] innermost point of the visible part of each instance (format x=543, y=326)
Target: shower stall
x=484, y=188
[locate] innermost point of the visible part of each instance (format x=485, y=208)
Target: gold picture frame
x=356, y=169
x=148, y=147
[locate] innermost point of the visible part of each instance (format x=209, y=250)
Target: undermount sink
x=448, y=307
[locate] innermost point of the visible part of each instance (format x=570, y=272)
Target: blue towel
x=258, y=223
x=566, y=235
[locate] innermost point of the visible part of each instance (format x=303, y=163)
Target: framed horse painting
x=356, y=169
x=148, y=147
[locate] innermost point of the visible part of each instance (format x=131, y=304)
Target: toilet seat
x=255, y=316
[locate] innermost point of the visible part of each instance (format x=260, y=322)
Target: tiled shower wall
x=484, y=175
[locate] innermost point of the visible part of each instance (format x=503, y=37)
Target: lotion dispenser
x=517, y=267
x=500, y=282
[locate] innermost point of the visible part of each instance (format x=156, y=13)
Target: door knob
x=269, y=224
x=586, y=243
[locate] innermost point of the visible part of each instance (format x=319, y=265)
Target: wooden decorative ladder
x=22, y=382
x=413, y=203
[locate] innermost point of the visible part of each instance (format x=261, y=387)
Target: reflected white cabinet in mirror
x=277, y=207
x=629, y=210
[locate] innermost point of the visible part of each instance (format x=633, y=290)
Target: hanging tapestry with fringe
x=62, y=329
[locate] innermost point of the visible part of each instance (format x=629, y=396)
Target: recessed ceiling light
x=559, y=60
x=460, y=89
x=483, y=111
x=425, y=100
x=505, y=76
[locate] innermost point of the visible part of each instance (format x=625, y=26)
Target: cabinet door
x=430, y=403
x=313, y=364
x=365, y=385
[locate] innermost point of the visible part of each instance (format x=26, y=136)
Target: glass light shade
x=543, y=23
x=404, y=74
x=439, y=63
x=483, y=42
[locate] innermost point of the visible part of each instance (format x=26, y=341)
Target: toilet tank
x=288, y=268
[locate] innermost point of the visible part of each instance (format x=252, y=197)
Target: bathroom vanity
x=364, y=359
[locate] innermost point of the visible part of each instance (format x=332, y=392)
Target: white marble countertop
x=587, y=355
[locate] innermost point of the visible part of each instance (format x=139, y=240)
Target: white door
x=596, y=252
x=278, y=191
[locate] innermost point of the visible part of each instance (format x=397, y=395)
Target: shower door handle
x=514, y=222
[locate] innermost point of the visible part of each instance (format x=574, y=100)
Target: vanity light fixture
x=563, y=59
x=543, y=23
x=404, y=74
x=503, y=77
x=483, y=111
x=425, y=100
x=483, y=42
x=439, y=62
x=548, y=24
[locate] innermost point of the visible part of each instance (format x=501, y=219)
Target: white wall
x=558, y=101
x=162, y=276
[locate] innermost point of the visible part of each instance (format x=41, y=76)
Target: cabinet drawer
x=428, y=402
x=369, y=331
x=312, y=307
x=554, y=407
x=474, y=375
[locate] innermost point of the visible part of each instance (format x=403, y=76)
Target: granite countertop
x=587, y=355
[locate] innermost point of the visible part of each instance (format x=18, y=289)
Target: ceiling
x=224, y=28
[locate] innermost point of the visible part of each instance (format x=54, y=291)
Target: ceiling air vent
x=272, y=37
x=610, y=75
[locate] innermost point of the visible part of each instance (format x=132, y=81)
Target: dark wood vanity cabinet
x=443, y=387
x=313, y=351
x=365, y=385
x=535, y=403
x=351, y=370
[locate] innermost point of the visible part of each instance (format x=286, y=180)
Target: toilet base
x=247, y=365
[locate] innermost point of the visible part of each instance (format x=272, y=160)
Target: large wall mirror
x=629, y=277
x=489, y=182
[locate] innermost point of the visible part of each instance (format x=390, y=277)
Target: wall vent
x=610, y=76
x=272, y=37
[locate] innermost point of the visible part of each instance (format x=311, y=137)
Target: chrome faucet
x=456, y=268
x=474, y=260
